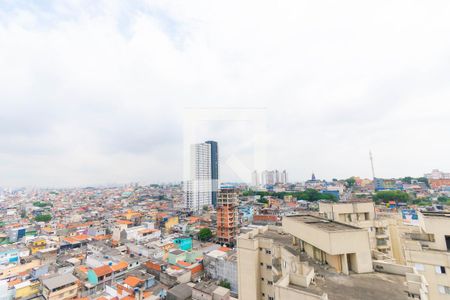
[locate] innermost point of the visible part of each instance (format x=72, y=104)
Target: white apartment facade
x=198, y=187
x=436, y=174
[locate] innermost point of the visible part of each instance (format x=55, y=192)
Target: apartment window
x=262, y=278
x=419, y=267
x=444, y=289
x=263, y=294
x=440, y=269
x=260, y=249
x=261, y=264
x=271, y=298
x=269, y=282
x=447, y=242
x=269, y=267
x=268, y=252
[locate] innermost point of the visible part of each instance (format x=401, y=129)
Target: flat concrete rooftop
x=445, y=214
x=321, y=223
x=370, y=286
x=278, y=238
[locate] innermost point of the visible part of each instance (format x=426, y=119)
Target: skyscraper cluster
x=269, y=177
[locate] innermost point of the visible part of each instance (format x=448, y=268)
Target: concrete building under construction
x=227, y=215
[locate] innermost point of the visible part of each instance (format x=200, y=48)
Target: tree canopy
x=41, y=204
x=444, y=200
x=204, y=234
x=350, y=181
x=43, y=218
x=225, y=283
x=308, y=195
x=386, y=196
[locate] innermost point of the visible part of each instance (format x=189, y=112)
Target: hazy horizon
x=97, y=92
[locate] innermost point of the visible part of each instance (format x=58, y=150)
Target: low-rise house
x=27, y=289
x=209, y=291
x=222, y=265
x=9, y=255
x=60, y=287
x=98, y=278
x=37, y=245
x=180, y=292
x=175, y=275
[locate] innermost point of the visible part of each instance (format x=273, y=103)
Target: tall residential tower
x=214, y=171
x=198, y=187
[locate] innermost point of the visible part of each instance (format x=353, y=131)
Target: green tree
x=43, y=218
x=444, y=200
x=41, y=204
x=424, y=180
x=308, y=195
x=263, y=201
x=407, y=179
x=350, y=181
x=225, y=283
x=386, y=196
x=204, y=234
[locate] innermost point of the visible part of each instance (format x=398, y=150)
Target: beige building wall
x=361, y=214
x=264, y=263
x=248, y=267
x=347, y=212
x=397, y=233
x=62, y=294
x=285, y=291
x=333, y=240
x=428, y=253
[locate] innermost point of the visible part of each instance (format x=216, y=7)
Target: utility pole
x=371, y=162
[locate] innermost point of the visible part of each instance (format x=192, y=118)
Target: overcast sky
x=95, y=92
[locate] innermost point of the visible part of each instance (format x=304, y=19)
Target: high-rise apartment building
x=429, y=252
x=214, y=171
x=198, y=189
x=284, y=177
x=268, y=177
x=271, y=177
x=255, y=179
x=227, y=215
x=301, y=260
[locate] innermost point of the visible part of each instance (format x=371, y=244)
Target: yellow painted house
x=37, y=245
x=27, y=289
x=171, y=221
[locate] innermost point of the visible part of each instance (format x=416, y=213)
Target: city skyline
x=232, y=150
x=100, y=97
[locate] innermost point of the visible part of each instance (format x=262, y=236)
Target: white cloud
x=94, y=92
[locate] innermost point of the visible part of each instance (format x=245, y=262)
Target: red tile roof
x=119, y=266
x=103, y=270
x=132, y=281
x=183, y=263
